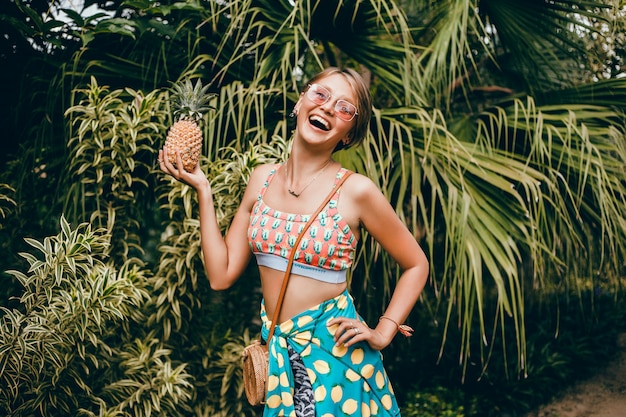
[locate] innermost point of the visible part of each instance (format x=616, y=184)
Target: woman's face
x=326, y=111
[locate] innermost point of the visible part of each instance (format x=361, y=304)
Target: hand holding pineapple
x=185, y=136
x=197, y=179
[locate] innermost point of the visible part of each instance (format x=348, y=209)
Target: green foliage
x=112, y=147
x=64, y=338
x=190, y=100
x=439, y=402
x=151, y=385
x=568, y=341
x=6, y=202
x=169, y=352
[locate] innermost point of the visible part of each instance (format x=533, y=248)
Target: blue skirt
x=346, y=381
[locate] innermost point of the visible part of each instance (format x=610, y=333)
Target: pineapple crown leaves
x=190, y=100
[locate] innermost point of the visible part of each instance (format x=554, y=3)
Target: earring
x=293, y=113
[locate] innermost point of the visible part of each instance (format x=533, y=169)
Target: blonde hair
x=363, y=104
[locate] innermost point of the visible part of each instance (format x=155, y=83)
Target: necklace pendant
x=295, y=194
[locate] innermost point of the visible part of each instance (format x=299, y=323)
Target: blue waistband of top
x=320, y=274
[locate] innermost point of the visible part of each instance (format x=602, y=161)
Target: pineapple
x=189, y=103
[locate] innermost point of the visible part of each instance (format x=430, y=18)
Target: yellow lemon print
x=320, y=393
x=273, y=401
x=336, y=393
x=357, y=356
x=373, y=407
x=284, y=380
x=349, y=406
x=287, y=399
x=272, y=382
x=366, y=386
x=281, y=360
x=352, y=376
x=312, y=375
x=303, y=338
x=286, y=326
x=365, y=410
x=380, y=379
x=321, y=366
x=386, y=402
x=367, y=371
x=339, y=351
x=306, y=351
x=342, y=302
x=304, y=320
x=332, y=329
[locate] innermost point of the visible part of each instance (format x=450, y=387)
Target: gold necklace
x=295, y=194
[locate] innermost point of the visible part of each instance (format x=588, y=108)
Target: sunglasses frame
x=337, y=107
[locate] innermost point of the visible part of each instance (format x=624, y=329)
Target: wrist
x=404, y=329
x=204, y=189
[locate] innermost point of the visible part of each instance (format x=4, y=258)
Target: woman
x=324, y=359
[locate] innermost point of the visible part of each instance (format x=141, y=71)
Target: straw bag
x=255, y=357
x=255, y=364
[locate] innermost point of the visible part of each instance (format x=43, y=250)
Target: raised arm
x=225, y=258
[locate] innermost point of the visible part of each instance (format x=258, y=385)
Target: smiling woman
x=324, y=359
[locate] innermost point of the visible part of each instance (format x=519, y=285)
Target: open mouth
x=319, y=123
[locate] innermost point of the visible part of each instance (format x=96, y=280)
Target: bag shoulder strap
x=283, y=289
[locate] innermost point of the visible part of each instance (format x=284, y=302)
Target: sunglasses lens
x=318, y=94
x=344, y=110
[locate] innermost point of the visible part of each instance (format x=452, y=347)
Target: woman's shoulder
x=360, y=186
x=257, y=180
x=262, y=172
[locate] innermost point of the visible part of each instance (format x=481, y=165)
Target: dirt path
x=603, y=395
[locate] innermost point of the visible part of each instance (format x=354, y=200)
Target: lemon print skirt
x=346, y=381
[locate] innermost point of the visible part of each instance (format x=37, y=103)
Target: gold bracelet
x=406, y=330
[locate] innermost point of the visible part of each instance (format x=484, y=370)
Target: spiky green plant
x=112, y=151
x=59, y=348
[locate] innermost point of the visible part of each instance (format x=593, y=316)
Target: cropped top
x=325, y=252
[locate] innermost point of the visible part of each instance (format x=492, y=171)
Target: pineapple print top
x=325, y=252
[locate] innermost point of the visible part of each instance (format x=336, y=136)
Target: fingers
x=196, y=178
x=160, y=158
x=349, y=331
x=165, y=164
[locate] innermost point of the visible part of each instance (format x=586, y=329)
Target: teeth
x=318, y=121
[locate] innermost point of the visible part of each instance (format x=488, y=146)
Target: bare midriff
x=302, y=293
